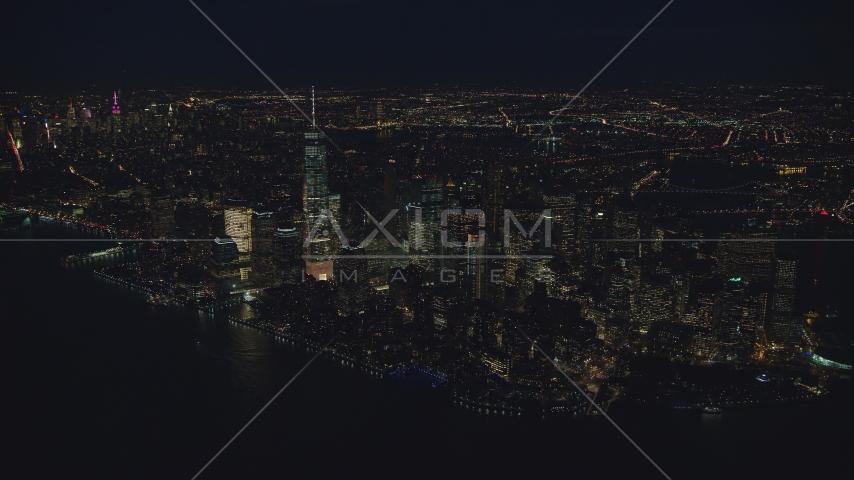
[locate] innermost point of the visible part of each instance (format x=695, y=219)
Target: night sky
x=373, y=43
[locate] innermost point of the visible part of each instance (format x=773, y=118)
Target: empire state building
x=116, y=108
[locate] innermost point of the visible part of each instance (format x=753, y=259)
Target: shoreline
x=374, y=370
x=379, y=371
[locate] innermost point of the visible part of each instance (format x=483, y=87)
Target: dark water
x=99, y=384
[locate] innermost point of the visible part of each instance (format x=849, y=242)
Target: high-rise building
x=562, y=207
x=335, y=206
x=287, y=252
x=335, y=214
x=624, y=225
x=536, y=274
x=653, y=302
x=162, y=208
x=380, y=113
x=495, y=199
x=749, y=257
x=315, y=198
x=584, y=212
x=750, y=323
x=519, y=247
x=783, y=327
x=475, y=267
x=70, y=117
x=264, y=272
x=729, y=315
x=680, y=283
x=446, y=308
x=353, y=289
x=421, y=239
x=238, y=223
x=619, y=290
x=424, y=221
x=116, y=108
x=224, y=264
x=224, y=250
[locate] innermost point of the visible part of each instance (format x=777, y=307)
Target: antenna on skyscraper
x=313, y=122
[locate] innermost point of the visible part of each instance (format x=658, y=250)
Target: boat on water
x=712, y=410
x=87, y=256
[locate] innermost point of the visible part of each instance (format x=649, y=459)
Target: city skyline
x=441, y=236
x=480, y=237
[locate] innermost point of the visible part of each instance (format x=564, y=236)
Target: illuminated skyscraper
x=729, y=315
x=653, y=302
x=562, y=206
x=238, y=219
x=380, y=114
x=424, y=218
x=315, y=201
x=116, y=109
x=749, y=259
x=519, y=247
x=783, y=326
x=535, y=274
x=315, y=195
x=619, y=290
x=421, y=236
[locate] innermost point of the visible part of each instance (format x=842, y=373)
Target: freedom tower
x=315, y=201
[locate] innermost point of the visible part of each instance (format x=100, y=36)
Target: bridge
x=659, y=185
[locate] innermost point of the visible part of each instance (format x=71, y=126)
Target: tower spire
x=313, y=122
x=116, y=109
